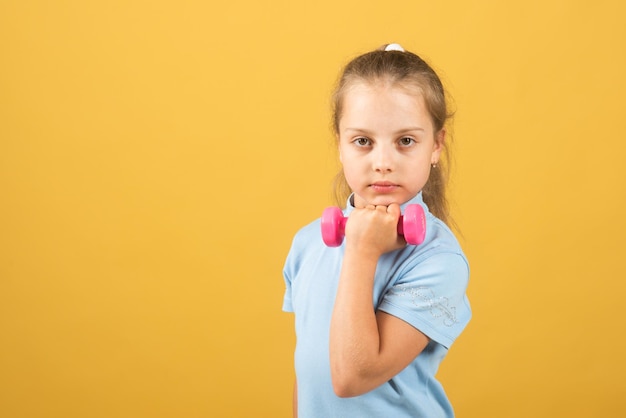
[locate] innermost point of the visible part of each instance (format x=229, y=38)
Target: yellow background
x=157, y=157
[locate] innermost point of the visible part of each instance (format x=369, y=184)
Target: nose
x=382, y=159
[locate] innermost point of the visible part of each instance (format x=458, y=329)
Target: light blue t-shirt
x=423, y=285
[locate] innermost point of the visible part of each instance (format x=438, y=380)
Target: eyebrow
x=398, y=132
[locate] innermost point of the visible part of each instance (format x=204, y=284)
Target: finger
x=394, y=209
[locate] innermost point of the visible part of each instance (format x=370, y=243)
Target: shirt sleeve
x=289, y=271
x=287, y=306
x=300, y=247
x=431, y=297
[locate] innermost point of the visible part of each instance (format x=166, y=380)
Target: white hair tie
x=394, y=47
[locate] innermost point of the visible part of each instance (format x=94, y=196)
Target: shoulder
x=307, y=234
x=439, y=262
x=429, y=288
x=440, y=242
x=304, y=242
x=439, y=237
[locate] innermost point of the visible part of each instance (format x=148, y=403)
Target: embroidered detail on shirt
x=425, y=298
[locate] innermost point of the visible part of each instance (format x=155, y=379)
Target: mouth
x=384, y=186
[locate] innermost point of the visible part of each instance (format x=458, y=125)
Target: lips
x=384, y=186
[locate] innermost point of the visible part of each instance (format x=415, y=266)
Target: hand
x=374, y=229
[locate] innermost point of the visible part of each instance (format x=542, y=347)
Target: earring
x=434, y=165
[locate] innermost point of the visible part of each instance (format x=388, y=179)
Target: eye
x=362, y=141
x=406, y=141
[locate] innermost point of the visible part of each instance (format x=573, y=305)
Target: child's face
x=387, y=143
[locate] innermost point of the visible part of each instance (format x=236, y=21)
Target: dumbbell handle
x=412, y=225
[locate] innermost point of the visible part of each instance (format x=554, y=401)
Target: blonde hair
x=410, y=71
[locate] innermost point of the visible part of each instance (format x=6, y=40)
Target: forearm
x=354, y=334
x=367, y=348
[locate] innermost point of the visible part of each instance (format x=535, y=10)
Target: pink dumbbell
x=412, y=225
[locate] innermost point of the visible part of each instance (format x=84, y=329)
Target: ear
x=440, y=138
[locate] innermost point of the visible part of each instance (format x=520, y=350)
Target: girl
x=375, y=316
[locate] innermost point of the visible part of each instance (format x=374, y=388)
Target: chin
x=384, y=201
x=379, y=200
